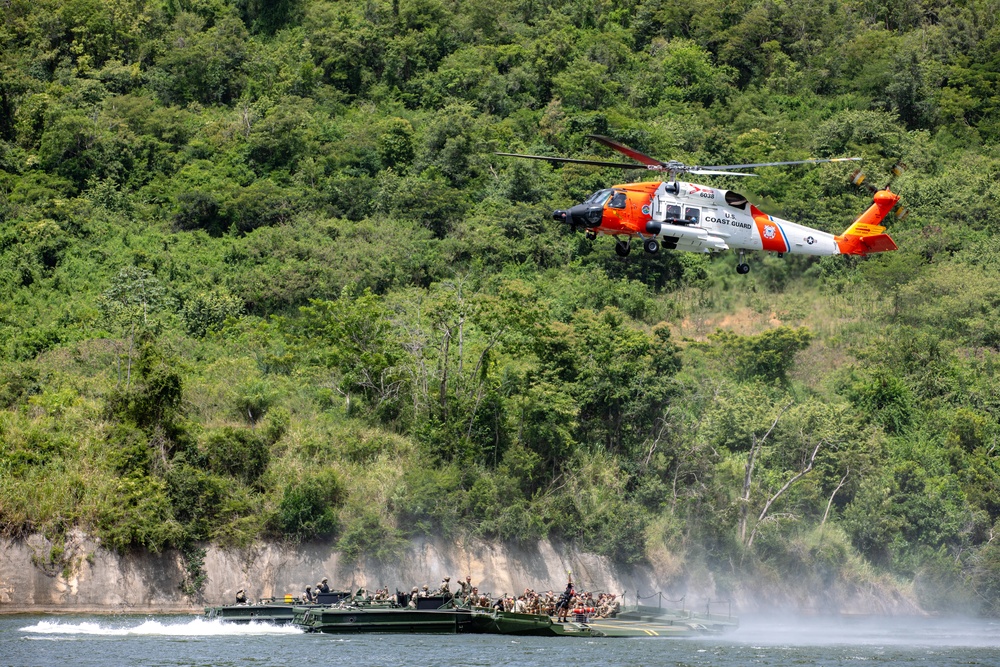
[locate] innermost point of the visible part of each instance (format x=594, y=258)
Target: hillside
x=263, y=276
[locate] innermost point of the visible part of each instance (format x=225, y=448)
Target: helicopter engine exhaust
x=581, y=215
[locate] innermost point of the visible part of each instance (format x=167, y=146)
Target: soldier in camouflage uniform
x=466, y=589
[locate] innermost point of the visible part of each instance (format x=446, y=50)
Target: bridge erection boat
x=271, y=610
x=438, y=615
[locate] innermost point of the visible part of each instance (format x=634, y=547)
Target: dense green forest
x=263, y=276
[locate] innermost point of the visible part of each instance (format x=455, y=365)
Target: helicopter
x=676, y=215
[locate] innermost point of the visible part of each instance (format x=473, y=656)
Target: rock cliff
x=83, y=577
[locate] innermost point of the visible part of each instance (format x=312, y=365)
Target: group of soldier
x=570, y=601
x=530, y=602
x=311, y=595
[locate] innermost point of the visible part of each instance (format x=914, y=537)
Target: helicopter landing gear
x=590, y=235
x=623, y=248
x=651, y=246
x=742, y=268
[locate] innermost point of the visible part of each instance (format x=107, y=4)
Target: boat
x=642, y=621
x=433, y=615
x=272, y=610
x=442, y=615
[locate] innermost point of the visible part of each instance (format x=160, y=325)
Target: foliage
x=307, y=509
x=263, y=275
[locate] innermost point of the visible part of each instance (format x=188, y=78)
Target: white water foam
x=197, y=627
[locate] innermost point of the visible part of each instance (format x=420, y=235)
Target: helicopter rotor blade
x=596, y=163
x=780, y=164
x=625, y=150
x=716, y=172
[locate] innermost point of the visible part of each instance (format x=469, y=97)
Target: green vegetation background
x=261, y=275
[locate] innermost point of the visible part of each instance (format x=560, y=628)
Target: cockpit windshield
x=598, y=197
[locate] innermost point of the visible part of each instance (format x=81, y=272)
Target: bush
x=238, y=452
x=308, y=508
x=196, y=497
x=137, y=514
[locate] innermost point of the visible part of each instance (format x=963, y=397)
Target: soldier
x=466, y=587
x=445, y=589
x=614, y=606
x=309, y=595
x=241, y=597
x=425, y=591
x=563, y=604
x=414, y=594
x=323, y=587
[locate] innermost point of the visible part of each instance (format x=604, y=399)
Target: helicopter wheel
x=651, y=246
x=591, y=235
x=742, y=269
x=623, y=249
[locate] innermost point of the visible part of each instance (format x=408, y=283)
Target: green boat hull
x=633, y=622
x=334, y=620
x=256, y=613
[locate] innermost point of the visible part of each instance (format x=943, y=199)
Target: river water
x=113, y=641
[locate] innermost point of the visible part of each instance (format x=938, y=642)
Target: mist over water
x=787, y=630
x=775, y=641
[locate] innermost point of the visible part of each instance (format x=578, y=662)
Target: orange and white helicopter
x=698, y=218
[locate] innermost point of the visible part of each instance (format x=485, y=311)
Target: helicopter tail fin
x=867, y=235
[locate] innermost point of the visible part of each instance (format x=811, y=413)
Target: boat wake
x=197, y=627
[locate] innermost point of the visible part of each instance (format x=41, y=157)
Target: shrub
x=308, y=508
x=137, y=514
x=238, y=452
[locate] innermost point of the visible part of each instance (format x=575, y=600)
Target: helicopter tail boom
x=866, y=235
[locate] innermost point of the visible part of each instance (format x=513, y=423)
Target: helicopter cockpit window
x=736, y=200
x=618, y=201
x=673, y=211
x=598, y=197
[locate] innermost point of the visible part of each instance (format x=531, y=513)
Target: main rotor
x=672, y=167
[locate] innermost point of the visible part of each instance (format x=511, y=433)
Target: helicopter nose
x=585, y=215
x=560, y=216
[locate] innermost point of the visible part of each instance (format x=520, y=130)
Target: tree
x=355, y=338
x=623, y=378
x=134, y=295
x=766, y=357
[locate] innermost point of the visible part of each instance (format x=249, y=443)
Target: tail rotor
x=859, y=179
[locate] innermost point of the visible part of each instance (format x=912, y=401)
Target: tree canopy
x=262, y=275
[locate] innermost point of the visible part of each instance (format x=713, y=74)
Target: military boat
x=439, y=615
x=433, y=615
x=272, y=610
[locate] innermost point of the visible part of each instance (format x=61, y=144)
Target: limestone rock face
x=80, y=576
